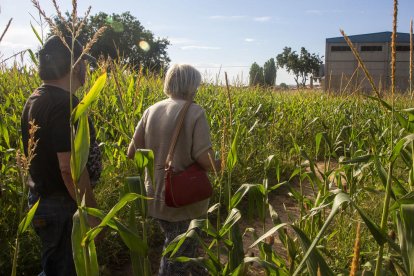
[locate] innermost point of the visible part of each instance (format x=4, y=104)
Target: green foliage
x=28, y=218
x=256, y=75
x=282, y=139
x=269, y=72
x=406, y=236
x=125, y=40
x=300, y=65
x=83, y=252
x=284, y=86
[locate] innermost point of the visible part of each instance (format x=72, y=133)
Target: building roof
x=373, y=37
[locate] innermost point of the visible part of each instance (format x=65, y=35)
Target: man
x=51, y=181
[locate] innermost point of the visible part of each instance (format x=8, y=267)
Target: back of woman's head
x=182, y=81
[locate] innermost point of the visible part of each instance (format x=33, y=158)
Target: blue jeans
x=53, y=224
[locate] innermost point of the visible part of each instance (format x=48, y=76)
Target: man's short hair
x=54, y=57
x=182, y=81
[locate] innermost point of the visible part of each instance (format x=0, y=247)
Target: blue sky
x=225, y=33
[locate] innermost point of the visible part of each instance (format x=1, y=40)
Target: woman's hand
x=207, y=161
x=131, y=150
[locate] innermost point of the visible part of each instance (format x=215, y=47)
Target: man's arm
x=84, y=185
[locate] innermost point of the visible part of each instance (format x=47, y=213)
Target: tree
x=283, y=86
x=301, y=65
x=125, y=40
x=256, y=75
x=269, y=72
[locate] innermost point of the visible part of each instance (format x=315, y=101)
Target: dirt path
x=285, y=206
x=288, y=211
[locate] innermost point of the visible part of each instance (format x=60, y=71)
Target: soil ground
x=285, y=206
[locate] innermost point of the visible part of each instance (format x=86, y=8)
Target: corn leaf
x=359, y=159
x=236, y=254
x=144, y=158
x=318, y=139
x=375, y=230
x=33, y=57
x=231, y=219
x=339, y=200
x=232, y=156
x=406, y=199
x=91, y=234
x=89, y=98
x=128, y=236
x=5, y=133
x=401, y=120
x=134, y=184
x=270, y=267
x=28, y=218
x=78, y=251
x=36, y=34
x=405, y=225
x=175, y=244
x=79, y=156
x=214, y=208
x=314, y=260
x=206, y=263
x=240, y=193
x=268, y=233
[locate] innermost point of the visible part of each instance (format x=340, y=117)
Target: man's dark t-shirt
x=49, y=107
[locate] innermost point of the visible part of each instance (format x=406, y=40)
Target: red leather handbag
x=189, y=186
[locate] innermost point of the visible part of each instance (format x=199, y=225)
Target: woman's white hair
x=182, y=81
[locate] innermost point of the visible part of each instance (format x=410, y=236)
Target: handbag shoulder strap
x=176, y=132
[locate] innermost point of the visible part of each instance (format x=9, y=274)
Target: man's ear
x=76, y=69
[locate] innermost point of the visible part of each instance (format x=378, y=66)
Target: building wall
x=341, y=68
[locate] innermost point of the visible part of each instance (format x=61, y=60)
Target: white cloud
x=180, y=40
x=316, y=12
x=17, y=39
x=196, y=47
x=227, y=17
x=262, y=18
x=249, y=39
x=240, y=17
x=322, y=12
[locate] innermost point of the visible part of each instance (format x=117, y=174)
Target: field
x=304, y=169
x=311, y=182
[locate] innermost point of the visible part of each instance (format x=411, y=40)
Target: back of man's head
x=54, y=58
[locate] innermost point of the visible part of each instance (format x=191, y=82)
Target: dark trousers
x=169, y=267
x=53, y=224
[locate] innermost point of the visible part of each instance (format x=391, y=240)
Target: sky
x=218, y=36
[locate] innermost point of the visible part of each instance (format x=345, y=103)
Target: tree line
x=128, y=42
x=302, y=65
x=124, y=40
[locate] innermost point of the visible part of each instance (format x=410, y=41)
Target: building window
x=371, y=48
x=340, y=48
x=403, y=48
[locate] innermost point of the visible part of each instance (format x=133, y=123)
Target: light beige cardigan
x=154, y=131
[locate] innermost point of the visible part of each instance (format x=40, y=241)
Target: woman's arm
x=131, y=149
x=207, y=161
x=137, y=141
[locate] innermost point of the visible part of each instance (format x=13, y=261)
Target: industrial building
x=341, y=67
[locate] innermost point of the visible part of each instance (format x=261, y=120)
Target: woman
x=154, y=131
